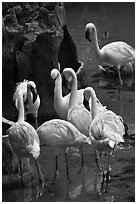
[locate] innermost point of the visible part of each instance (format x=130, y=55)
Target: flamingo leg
x=119, y=75
x=56, y=170
x=108, y=169
x=103, y=172
x=21, y=174
x=40, y=175
x=97, y=160
x=36, y=122
x=82, y=159
x=69, y=181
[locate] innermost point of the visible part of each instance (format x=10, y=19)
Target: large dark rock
x=35, y=39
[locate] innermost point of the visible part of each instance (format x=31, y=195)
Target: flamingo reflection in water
x=86, y=185
x=106, y=131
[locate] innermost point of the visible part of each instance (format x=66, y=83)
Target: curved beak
x=65, y=84
x=86, y=104
x=34, y=93
x=87, y=35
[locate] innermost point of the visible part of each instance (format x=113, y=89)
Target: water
x=117, y=19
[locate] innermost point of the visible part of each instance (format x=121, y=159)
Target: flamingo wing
x=59, y=133
x=118, y=53
x=81, y=118
x=21, y=136
x=106, y=126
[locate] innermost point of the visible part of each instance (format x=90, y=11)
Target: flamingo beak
x=34, y=93
x=65, y=84
x=86, y=104
x=87, y=35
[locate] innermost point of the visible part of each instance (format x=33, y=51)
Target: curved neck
x=95, y=43
x=73, y=95
x=20, y=109
x=93, y=104
x=58, y=87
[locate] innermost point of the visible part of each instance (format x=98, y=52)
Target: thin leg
x=107, y=174
x=21, y=174
x=96, y=159
x=56, y=170
x=103, y=172
x=36, y=121
x=82, y=159
x=40, y=175
x=108, y=169
x=69, y=181
x=119, y=75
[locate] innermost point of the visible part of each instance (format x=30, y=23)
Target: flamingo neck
x=73, y=95
x=95, y=44
x=58, y=87
x=93, y=104
x=20, y=109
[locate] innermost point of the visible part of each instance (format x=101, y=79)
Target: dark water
x=117, y=19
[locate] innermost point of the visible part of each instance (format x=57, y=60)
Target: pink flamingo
x=23, y=137
x=106, y=130
x=113, y=54
x=59, y=135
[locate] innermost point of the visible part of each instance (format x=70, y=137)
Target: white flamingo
x=30, y=97
x=23, y=137
x=78, y=115
x=113, y=54
x=61, y=103
x=106, y=130
x=60, y=134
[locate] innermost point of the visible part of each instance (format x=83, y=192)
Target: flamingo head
x=54, y=73
x=89, y=30
x=32, y=88
x=31, y=84
x=69, y=74
x=88, y=92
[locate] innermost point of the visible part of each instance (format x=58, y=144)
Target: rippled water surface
x=117, y=19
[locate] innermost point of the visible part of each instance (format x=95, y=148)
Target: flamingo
x=30, y=97
x=106, y=130
x=78, y=115
x=23, y=137
x=113, y=54
x=61, y=103
x=59, y=135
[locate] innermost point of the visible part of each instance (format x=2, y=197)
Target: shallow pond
x=118, y=20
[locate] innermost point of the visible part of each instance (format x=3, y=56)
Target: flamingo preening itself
x=23, y=137
x=113, y=54
x=106, y=130
x=59, y=135
x=78, y=115
x=31, y=98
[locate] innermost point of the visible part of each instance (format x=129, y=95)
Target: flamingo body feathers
x=24, y=140
x=60, y=133
x=115, y=54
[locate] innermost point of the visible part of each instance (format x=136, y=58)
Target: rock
x=35, y=39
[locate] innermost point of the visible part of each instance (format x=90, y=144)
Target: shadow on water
x=119, y=25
